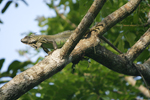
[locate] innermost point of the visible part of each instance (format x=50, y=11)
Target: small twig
x=145, y=24
x=147, y=3
x=104, y=39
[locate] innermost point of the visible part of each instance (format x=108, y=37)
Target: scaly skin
x=47, y=41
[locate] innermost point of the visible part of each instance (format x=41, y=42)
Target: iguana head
x=31, y=40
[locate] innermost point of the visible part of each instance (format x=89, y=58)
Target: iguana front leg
x=49, y=42
x=45, y=49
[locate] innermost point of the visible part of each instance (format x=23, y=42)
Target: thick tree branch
x=139, y=46
x=117, y=63
x=82, y=27
x=145, y=69
x=33, y=76
x=116, y=16
x=112, y=61
x=147, y=63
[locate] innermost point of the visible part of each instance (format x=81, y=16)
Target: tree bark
x=89, y=46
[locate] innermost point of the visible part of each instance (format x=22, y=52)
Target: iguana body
x=47, y=41
x=54, y=41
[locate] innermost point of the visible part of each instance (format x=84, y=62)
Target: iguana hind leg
x=47, y=51
x=50, y=52
x=54, y=46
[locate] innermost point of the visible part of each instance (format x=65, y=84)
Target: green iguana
x=54, y=41
x=47, y=41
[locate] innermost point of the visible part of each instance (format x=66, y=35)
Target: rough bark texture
x=139, y=46
x=82, y=27
x=88, y=46
x=116, y=17
x=26, y=80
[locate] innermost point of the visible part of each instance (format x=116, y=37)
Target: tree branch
x=139, y=46
x=82, y=27
x=141, y=88
x=33, y=76
x=145, y=70
x=112, y=61
x=116, y=17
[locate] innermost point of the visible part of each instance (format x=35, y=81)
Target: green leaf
x=15, y=65
x=63, y=2
x=39, y=59
x=118, y=39
x=138, y=83
x=6, y=6
x=111, y=1
x=105, y=98
x=84, y=5
x=1, y=63
x=16, y=4
x=1, y=1
x=130, y=38
x=1, y=21
x=135, y=18
x=92, y=97
x=143, y=56
x=121, y=45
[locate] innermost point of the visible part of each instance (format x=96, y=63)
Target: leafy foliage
x=14, y=68
x=87, y=83
x=10, y=2
x=94, y=82
x=1, y=63
x=7, y=5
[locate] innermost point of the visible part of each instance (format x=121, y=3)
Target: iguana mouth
x=28, y=42
x=22, y=40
